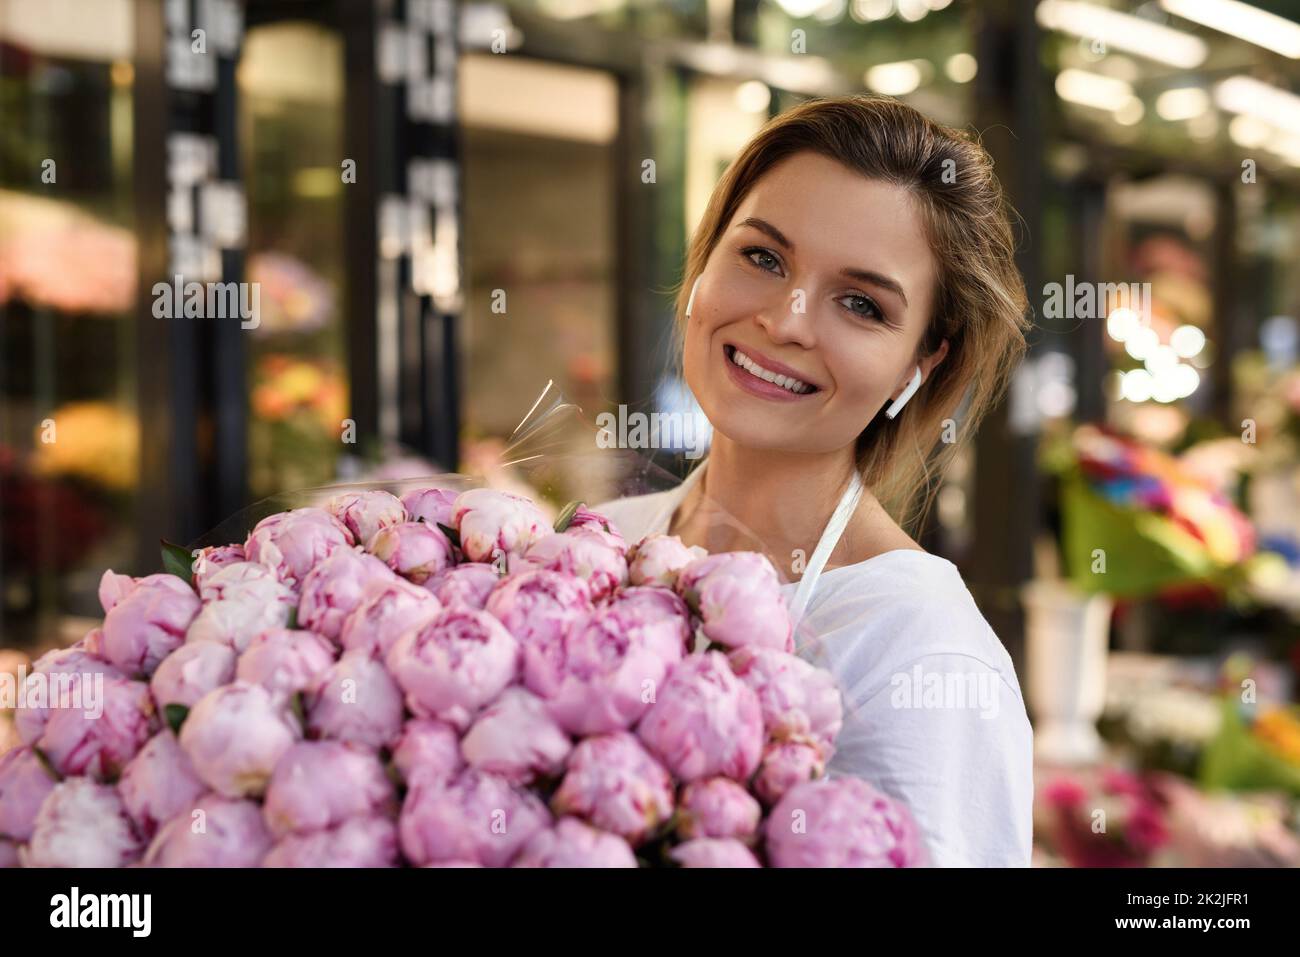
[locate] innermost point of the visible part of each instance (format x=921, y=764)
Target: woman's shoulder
x=877, y=617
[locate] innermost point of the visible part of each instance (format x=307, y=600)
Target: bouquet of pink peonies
x=441, y=679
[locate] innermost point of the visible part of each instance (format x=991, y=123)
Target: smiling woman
x=857, y=258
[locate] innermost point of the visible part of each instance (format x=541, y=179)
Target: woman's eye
x=862, y=306
x=763, y=259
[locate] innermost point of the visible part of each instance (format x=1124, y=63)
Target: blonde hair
x=980, y=303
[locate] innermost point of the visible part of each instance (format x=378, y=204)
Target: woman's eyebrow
x=862, y=275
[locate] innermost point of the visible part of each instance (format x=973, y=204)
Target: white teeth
x=789, y=383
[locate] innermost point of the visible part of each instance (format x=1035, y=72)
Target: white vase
x=1066, y=638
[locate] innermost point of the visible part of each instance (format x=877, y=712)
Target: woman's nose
x=790, y=319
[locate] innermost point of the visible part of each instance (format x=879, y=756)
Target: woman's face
x=825, y=277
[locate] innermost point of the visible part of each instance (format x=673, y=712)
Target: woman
x=851, y=285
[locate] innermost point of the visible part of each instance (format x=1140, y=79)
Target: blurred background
x=445, y=206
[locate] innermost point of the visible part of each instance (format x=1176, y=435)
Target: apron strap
x=821, y=554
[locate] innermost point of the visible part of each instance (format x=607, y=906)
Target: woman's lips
x=756, y=386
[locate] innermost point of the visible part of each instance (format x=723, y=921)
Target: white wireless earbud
x=897, y=405
x=691, y=301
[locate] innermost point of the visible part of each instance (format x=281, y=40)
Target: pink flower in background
x=158, y=784
x=146, y=623
x=842, y=822
x=386, y=610
x=785, y=764
x=97, y=739
x=61, y=673
x=657, y=560
x=332, y=589
x=705, y=721
x=491, y=523
x=414, y=550
x=357, y=701
x=607, y=676
x=468, y=585
x=713, y=852
x=539, y=608
x=433, y=505
x=213, y=558
x=738, y=595
x=234, y=736
x=799, y=700
x=454, y=665
x=516, y=738
x=81, y=824
x=594, y=556
x=365, y=513
x=24, y=785
x=213, y=831
x=320, y=784
x=285, y=663
x=614, y=783
x=291, y=543
x=572, y=843
x=190, y=672
x=476, y=817
x=428, y=750
x=585, y=518
x=357, y=842
x=717, y=807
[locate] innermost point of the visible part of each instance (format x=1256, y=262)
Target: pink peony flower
x=234, y=736
x=717, y=807
x=705, y=721
x=320, y=784
x=365, y=513
x=799, y=700
x=539, y=608
x=475, y=817
x=713, y=852
x=414, y=550
x=585, y=518
x=54, y=682
x=25, y=783
x=468, y=585
x=594, y=556
x=237, y=579
x=190, y=672
x=9, y=854
x=785, y=764
x=493, y=523
x=386, y=610
x=357, y=842
x=841, y=822
x=97, y=738
x=433, y=505
x=607, y=677
x=657, y=560
x=613, y=782
x=572, y=843
x=285, y=663
x=113, y=588
x=292, y=543
x=660, y=619
x=428, y=750
x=738, y=595
x=357, y=701
x=245, y=603
x=454, y=665
x=81, y=824
x=212, y=559
x=335, y=587
x=158, y=784
x=213, y=831
x=516, y=738
x=148, y=622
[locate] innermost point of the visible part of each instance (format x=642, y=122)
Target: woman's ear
x=929, y=363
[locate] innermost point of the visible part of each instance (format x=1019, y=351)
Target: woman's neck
x=779, y=503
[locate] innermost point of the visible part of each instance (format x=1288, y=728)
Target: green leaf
x=451, y=533
x=566, y=515
x=292, y=624
x=177, y=560
x=47, y=764
x=175, y=715
x=299, y=708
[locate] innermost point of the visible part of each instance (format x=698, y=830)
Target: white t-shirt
x=933, y=711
